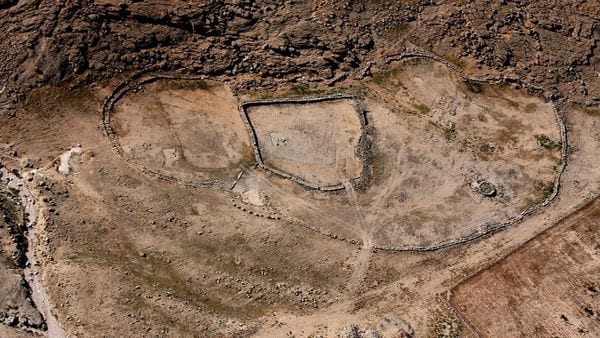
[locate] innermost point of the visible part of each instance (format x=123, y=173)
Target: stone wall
x=487, y=230
x=135, y=81
x=256, y=145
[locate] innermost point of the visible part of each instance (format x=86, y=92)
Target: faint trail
x=299, y=201
x=363, y=258
x=146, y=76
x=363, y=228
x=361, y=269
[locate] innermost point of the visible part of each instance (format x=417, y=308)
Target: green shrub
x=473, y=86
x=378, y=78
x=189, y=84
x=592, y=112
x=545, y=142
x=422, y=108
x=301, y=89
x=544, y=190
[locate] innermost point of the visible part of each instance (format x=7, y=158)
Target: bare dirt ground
x=188, y=129
x=128, y=252
x=421, y=293
x=434, y=145
x=316, y=142
x=123, y=249
x=436, y=140
x=549, y=287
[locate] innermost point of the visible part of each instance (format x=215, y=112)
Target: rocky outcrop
x=16, y=307
x=7, y=3
x=294, y=41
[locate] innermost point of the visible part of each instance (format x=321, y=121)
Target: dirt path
x=361, y=269
x=306, y=205
x=340, y=312
x=363, y=258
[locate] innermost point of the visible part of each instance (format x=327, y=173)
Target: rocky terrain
x=265, y=42
x=16, y=307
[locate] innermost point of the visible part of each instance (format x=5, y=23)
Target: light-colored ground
x=549, y=272
x=437, y=138
x=433, y=141
x=413, y=282
x=129, y=255
x=316, y=142
x=184, y=129
x=65, y=166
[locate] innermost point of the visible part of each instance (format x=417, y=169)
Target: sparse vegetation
x=297, y=90
x=506, y=136
x=511, y=103
x=60, y=98
x=592, y=112
x=248, y=159
x=473, y=86
x=378, y=78
x=422, y=108
x=302, y=89
x=396, y=31
x=12, y=192
x=450, y=133
x=382, y=77
x=486, y=149
x=223, y=189
x=188, y=84
x=530, y=108
x=543, y=190
x=545, y=142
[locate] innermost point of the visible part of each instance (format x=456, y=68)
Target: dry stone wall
x=359, y=108
x=135, y=81
x=486, y=230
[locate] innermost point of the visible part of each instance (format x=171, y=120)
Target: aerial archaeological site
x=299, y=168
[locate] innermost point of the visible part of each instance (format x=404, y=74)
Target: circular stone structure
x=485, y=188
x=403, y=157
x=433, y=135
x=189, y=130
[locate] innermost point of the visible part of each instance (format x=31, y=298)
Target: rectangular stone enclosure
x=314, y=140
